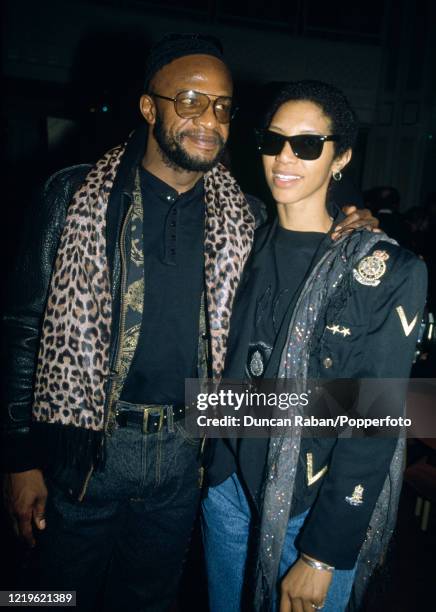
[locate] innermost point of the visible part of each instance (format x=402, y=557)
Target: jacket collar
x=121, y=192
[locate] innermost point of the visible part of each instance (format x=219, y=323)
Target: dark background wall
x=73, y=72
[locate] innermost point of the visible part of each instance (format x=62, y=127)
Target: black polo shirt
x=167, y=349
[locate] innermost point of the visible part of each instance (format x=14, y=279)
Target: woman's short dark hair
x=330, y=100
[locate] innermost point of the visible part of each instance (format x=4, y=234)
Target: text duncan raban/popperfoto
x=282, y=401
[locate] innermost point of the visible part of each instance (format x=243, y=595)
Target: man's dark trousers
x=123, y=546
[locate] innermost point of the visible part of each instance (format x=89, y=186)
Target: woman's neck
x=305, y=216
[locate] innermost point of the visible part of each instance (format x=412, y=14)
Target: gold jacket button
x=328, y=362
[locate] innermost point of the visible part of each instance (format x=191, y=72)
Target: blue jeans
x=123, y=547
x=226, y=521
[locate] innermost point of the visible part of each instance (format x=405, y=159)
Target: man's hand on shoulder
x=356, y=218
x=25, y=496
x=304, y=588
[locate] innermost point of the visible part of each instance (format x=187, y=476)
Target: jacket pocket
x=342, y=349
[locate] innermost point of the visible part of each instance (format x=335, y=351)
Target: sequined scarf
x=326, y=279
x=73, y=362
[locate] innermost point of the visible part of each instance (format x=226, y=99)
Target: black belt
x=150, y=417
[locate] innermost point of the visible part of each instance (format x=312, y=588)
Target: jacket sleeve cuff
x=332, y=553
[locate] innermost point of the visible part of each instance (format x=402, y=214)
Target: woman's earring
x=337, y=175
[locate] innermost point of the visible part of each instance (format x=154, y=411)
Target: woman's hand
x=356, y=218
x=304, y=588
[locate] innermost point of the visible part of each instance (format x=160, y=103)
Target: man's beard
x=176, y=157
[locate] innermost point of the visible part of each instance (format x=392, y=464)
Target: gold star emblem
x=338, y=329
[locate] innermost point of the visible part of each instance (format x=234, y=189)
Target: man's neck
x=179, y=179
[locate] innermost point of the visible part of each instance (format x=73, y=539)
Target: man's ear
x=340, y=163
x=148, y=109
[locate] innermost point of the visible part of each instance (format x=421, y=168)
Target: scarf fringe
x=67, y=446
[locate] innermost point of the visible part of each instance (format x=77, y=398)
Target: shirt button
x=328, y=362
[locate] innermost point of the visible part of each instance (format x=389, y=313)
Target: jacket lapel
x=244, y=307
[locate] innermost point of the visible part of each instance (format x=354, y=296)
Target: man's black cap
x=172, y=46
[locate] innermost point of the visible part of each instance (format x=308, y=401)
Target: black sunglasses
x=304, y=146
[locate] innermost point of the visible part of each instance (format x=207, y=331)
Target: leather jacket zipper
x=116, y=370
x=119, y=340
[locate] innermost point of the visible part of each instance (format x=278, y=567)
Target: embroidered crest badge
x=356, y=498
x=370, y=269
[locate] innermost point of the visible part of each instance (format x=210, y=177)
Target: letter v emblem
x=407, y=327
x=311, y=478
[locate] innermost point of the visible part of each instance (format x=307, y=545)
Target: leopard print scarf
x=73, y=362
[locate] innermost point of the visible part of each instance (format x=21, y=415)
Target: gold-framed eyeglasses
x=189, y=104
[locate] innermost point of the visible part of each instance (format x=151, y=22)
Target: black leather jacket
x=27, y=296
